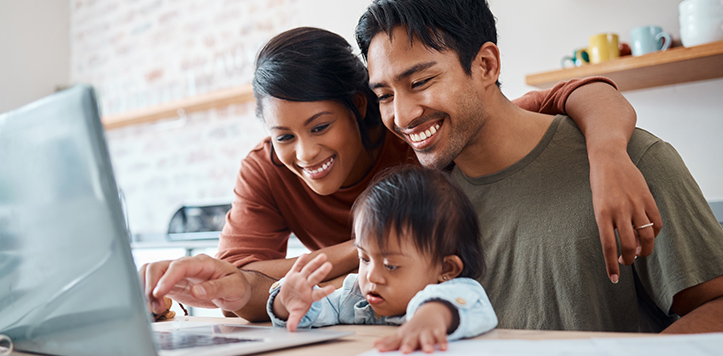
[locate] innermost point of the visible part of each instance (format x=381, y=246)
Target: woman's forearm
x=342, y=256
x=604, y=116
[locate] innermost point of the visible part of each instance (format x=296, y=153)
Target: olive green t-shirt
x=545, y=267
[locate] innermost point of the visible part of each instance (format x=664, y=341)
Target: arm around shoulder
x=621, y=198
x=553, y=101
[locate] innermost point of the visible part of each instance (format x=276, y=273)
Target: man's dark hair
x=312, y=64
x=462, y=26
x=426, y=206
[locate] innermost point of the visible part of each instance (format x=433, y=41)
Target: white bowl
x=700, y=32
x=700, y=7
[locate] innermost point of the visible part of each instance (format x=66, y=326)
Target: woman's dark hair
x=425, y=205
x=462, y=26
x=311, y=64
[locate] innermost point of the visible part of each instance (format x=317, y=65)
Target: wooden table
x=364, y=336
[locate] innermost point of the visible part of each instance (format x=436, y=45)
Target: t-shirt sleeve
x=552, y=101
x=689, y=249
x=254, y=230
x=470, y=300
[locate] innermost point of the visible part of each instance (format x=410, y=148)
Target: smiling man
x=434, y=66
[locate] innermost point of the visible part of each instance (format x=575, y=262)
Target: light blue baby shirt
x=347, y=305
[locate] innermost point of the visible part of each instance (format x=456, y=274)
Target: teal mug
x=646, y=39
x=579, y=57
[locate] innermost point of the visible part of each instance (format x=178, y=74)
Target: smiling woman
x=319, y=141
x=327, y=143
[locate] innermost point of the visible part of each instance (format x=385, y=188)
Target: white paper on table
x=677, y=345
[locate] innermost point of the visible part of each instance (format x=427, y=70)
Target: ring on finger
x=643, y=226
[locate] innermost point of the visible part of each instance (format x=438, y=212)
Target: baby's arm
x=297, y=292
x=429, y=327
x=451, y=310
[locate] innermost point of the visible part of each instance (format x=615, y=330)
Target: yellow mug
x=603, y=47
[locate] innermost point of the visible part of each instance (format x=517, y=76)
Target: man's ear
x=452, y=266
x=487, y=63
x=360, y=101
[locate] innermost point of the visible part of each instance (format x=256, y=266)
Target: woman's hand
x=622, y=201
x=200, y=281
x=621, y=198
x=298, y=293
x=427, y=329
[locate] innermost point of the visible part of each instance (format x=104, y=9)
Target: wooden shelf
x=674, y=66
x=208, y=101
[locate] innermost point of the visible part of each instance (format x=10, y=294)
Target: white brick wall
x=163, y=165
x=140, y=53
x=144, y=52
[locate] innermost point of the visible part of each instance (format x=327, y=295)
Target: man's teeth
x=424, y=135
x=323, y=167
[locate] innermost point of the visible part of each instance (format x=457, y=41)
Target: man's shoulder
x=640, y=143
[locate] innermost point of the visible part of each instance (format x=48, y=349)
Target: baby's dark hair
x=426, y=205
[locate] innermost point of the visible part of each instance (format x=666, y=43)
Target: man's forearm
x=706, y=318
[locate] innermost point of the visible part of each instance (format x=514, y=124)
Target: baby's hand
x=426, y=329
x=298, y=293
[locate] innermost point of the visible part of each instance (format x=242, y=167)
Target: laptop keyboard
x=180, y=340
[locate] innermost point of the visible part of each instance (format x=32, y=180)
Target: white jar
x=701, y=21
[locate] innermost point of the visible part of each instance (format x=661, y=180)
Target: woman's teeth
x=322, y=168
x=424, y=135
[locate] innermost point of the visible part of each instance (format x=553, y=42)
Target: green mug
x=579, y=58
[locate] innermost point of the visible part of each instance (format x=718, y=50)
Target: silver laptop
x=68, y=284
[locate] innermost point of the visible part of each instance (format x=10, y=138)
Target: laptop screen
x=67, y=281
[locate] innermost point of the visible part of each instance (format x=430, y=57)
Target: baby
x=419, y=258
